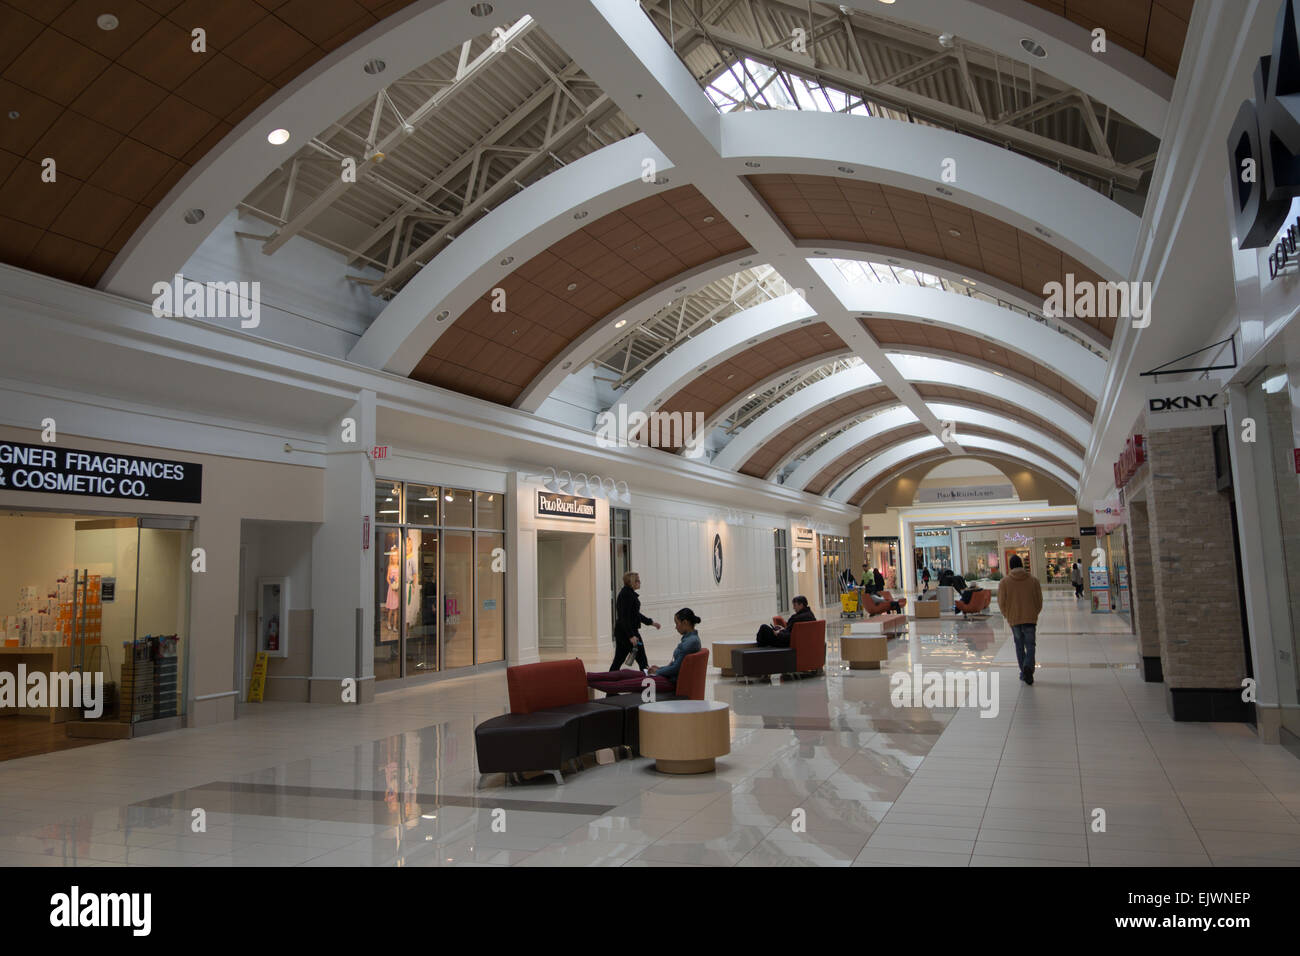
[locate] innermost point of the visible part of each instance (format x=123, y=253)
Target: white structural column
x=715, y=345
x=983, y=320
x=785, y=413
x=846, y=441
x=343, y=574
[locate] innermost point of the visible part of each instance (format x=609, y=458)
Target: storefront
x=440, y=578
x=835, y=560
x=933, y=547
x=883, y=554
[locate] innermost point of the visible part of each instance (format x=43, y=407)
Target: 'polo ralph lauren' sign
x=69, y=471
x=552, y=505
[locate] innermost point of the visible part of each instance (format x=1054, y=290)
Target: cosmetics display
x=53, y=616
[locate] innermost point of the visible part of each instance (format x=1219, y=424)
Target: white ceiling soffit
x=967, y=415
x=219, y=181
x=1014, y=189
x=846, y=441
x=937, y=371
x=891, y=456
x=712, y=346
x=788, y=411
x=1127, y=82
x=521, y=227
x=984, y=320
x=601, y=337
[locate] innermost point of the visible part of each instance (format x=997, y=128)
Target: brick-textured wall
x=1141, y=578
x=1281, y=434
x=1195, y=574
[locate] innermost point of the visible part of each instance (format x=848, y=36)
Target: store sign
x=966, y=493
x=1264, y=142
x=69, y=471
x=1108, y=514
x=1088, y=531
x=803, y=537
x=1132, y=458
x=553, y=505
x=1184, y=405
x=107, y=590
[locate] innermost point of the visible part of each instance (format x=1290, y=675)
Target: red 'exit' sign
x=378, y=452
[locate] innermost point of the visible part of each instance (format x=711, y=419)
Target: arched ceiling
x=515, y=166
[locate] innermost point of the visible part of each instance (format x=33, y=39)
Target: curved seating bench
x=978, y=603
x=689, y=686
x=550, y=722
x=805, y=655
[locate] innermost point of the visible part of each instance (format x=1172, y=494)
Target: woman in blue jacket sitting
x=685, y=621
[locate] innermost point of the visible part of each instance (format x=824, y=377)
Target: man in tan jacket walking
x=1020, y=599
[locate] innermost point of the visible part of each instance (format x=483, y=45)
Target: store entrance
x=566, y=582
x=100, y=606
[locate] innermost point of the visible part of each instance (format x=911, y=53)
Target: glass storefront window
x=420, y=600
x=457, y=599
x=457, y=508
x=388, y=502
x=421, y=504
x=388, y=590
x=981, y=559
x=490, y=512
x=490, y=595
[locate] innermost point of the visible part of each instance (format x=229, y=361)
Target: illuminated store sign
x=552, y=505
x=70, y=471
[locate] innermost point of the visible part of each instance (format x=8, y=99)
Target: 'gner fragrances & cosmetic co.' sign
x=551, y=505
x=70, y=471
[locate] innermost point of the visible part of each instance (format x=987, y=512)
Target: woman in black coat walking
x=627, y=624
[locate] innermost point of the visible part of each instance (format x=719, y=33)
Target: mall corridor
x=394, y=784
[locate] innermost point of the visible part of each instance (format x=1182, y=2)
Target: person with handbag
x=628, y=619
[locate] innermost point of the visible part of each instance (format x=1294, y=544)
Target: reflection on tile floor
x=823, y=772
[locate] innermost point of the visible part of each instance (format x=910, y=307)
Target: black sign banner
x=553, y=505
x=71, y=471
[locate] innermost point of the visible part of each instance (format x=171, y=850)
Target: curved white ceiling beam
x=726, y=411
x=729, y=337
x=984, y=320
x=1012, y=188
x=221, y=179
x=523, y=226
x=603, y=336
x=806, y=446
x=784, y=413
x=987, y=365
x=949, y=371
x=1012, y=450
x=966, y=415
x=1120, y=79
x=846, y=441
x=881, y=463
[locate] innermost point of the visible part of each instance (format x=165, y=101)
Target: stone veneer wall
x=1281, y=435
x=1196, y=599
x=1141, y=578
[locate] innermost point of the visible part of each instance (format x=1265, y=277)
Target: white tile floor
x=393, y=783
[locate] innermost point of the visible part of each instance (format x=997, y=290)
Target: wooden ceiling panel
x=96, y=100
x=609, y=262
x=1153, y=29
x=962, y=396
x=1009, y=434
x=842, y=210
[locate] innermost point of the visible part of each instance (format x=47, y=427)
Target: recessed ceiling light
x=701, y=368
x=894, y=261
x=620, y=323
x=507, y=260
x=955, y=233
x=193, y=216
x=441, y=316
x=106, y=21
x=708, y=219
x=753, y=165
x=820, y=252
x=680, y=288
x=661, y=180
x=751, y=395
x=823, y=434
x=571, y=286
x=374, y=66
x=942, y=192
x=580, y=214
x=1042, y=232
x=567, y=365
x=845, y=169
x=752, y=341
x=14, y=114
x=746, y=262
x=481, y=10
x=731, y=376
x=277, y=137
x=1032, y=47
x=805, y=322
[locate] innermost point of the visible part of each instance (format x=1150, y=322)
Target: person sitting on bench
x=779, y=636
x=665, y=678
x=685, y=621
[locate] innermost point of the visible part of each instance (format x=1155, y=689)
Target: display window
x=439, y=578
